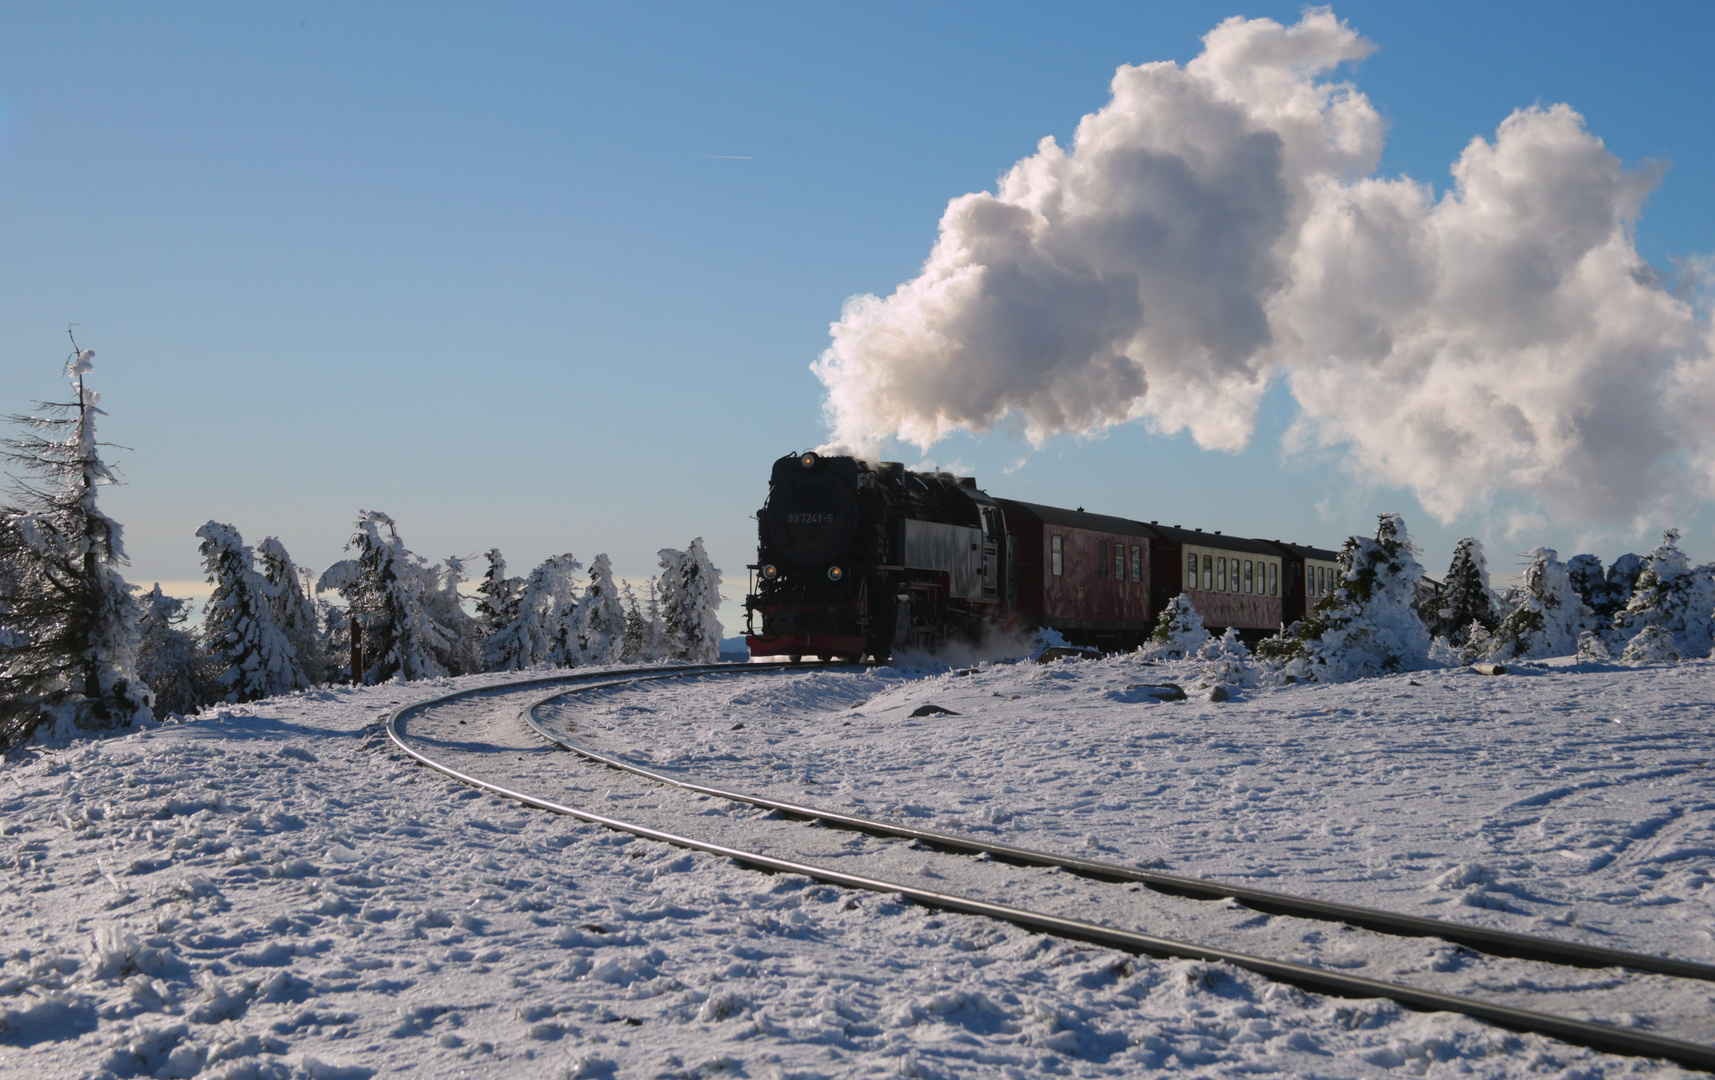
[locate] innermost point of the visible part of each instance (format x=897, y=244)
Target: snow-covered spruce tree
x=690, y=605
x=529, y=639
x=1466, y=598
x=294, y=611
x=170, y=660
x=631, y=642
x=1674, y=595
x=335, y=639
x=1178, y=632
x=1549, y=615
x=465, y=635
x=599, y=628
x=497, y=596
x=245, y=644
x=654, y=629
x=1591, y=584
x=68, y=657
x=1367, y=625
x=387, y=590
x=1623, y=574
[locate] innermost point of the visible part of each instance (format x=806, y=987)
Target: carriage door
x=991, y=552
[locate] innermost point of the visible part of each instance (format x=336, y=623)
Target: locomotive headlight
x=835, y=573
x=770, y=572
x=809, y=461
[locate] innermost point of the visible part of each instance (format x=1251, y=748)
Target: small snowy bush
x=1592, y=648
x=1368, y=625
x=1651, y=645
x=1178, y=632
x=1226, y=663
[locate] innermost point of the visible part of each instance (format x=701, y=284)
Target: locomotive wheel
x=795, y=658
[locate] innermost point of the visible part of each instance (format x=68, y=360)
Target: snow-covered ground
x=272, y=890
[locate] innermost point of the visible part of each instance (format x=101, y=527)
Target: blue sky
x=549, y=278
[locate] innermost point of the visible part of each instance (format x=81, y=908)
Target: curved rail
x=1317, y=980
x=1476, y=938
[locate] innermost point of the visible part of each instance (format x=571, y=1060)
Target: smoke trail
x=1215, y=227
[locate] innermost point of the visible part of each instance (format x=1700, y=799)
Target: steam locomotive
x=857, y=560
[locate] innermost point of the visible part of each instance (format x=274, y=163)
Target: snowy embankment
x=271, y=890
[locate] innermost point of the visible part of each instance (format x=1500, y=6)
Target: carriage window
x=1057, y=543
x=1274, y=579
x=1190, y=572
x=1208, y=572
x=1250, y=578
x=1101, y=558
x=1221, y=573
x=1136, y=563
x=1119, y=561
x=1321, y=580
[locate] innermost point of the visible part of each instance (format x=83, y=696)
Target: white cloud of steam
x=1217, y=226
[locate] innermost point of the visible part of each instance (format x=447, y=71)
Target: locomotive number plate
x=810, y=519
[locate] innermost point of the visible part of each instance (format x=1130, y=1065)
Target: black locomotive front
x=858, y=560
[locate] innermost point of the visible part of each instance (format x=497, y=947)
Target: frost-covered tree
x=1674, y=595
x=497, y=596
x=598, y=631
x=1549, y=615
x=529, y=639
x=1623, y=574
x=644, y=640
x=169, y=659
x=335, y=639
x=1226, y=662
x=1178, y=632
x=465, y=635
x=245, y=644
x=68, y=653
x=294, y=612
x=690, y=604
x=389, y=591
x=1593, y=648
x=1366, y=626
x=1466, y=598
x=1590, y=582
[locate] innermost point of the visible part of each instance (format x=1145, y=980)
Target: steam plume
x=1216, y=226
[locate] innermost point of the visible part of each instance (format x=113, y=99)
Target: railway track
x=507, y=747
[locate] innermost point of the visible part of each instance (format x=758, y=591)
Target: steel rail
x=1479, y=939
x=1317, y=980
